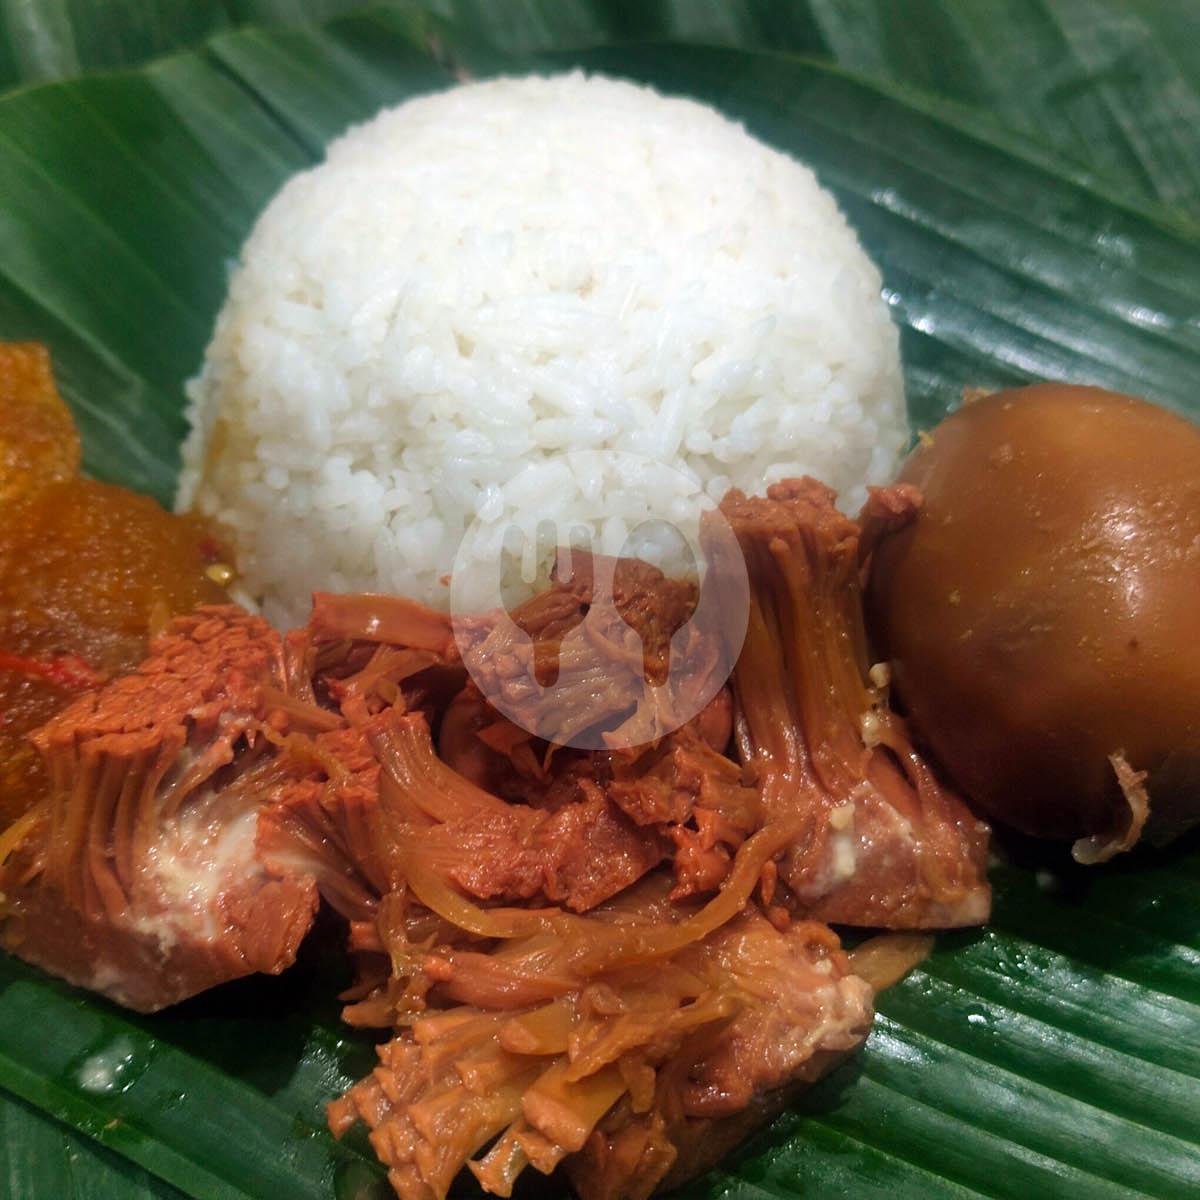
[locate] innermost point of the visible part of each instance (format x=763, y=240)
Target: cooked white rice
x=478, y=283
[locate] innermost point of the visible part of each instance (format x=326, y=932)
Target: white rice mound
x=485, y=282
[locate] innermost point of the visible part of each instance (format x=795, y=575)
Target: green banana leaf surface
x=1055, y=1053
x=1108, y=85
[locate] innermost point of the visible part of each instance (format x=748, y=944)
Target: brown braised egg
x=1042, y=611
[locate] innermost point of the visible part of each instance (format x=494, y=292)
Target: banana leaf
x=42, y=1157
x=1054, y=1054
x=55, y=39
x=1109, y=85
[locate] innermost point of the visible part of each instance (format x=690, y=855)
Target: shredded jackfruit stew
x=616, y=960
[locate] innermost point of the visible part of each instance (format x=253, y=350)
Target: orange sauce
x=88, y=571
x=38, y=439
